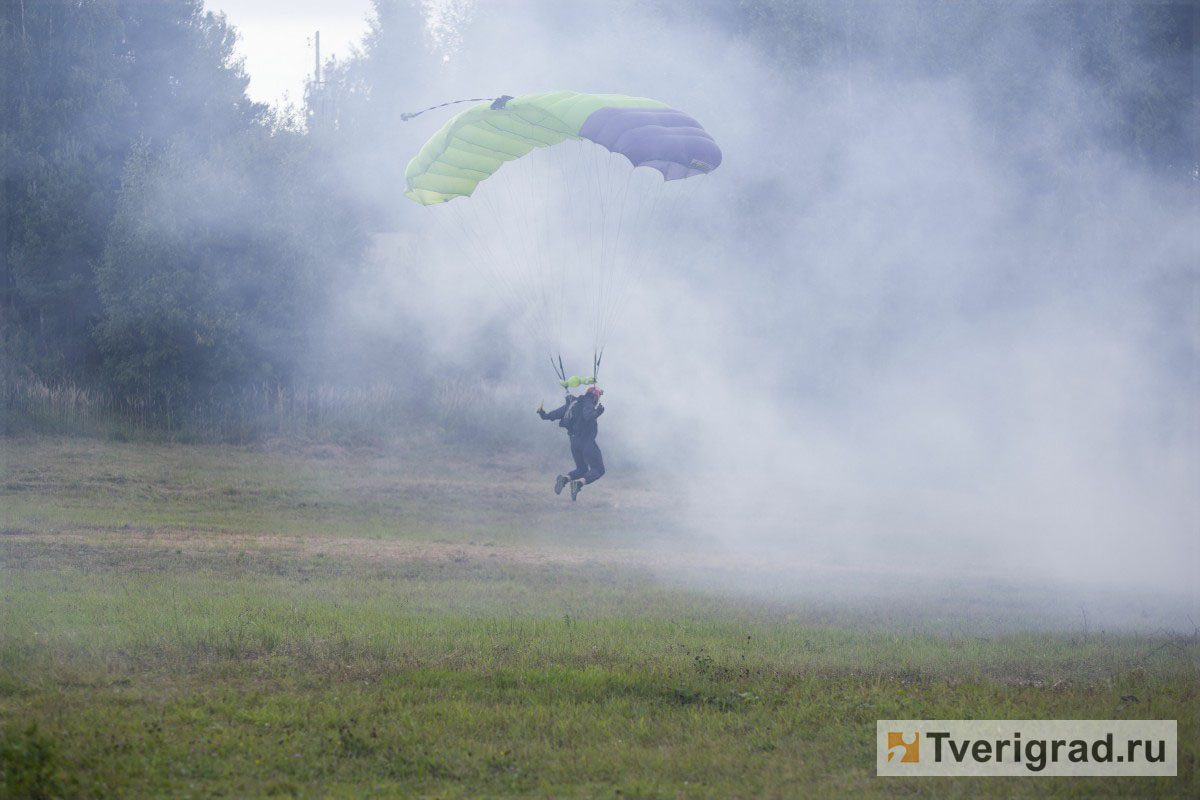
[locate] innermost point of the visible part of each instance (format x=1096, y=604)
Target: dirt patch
x=374, y=551
x=694, y=559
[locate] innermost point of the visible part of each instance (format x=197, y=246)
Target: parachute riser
x=575, y=381
x=558, y=369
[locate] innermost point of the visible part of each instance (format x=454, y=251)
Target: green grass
x=319, y=622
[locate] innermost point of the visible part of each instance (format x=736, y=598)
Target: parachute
x=567, y=225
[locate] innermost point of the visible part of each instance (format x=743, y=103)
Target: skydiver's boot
x=560, y=482
x=576, y=487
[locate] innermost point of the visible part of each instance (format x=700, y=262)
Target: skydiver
x=578, y=415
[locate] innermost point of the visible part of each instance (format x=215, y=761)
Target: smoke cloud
x=922, y=317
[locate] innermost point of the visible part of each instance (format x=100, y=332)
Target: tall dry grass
x=364, y=413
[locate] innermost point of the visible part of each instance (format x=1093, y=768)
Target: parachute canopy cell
x=473, y=145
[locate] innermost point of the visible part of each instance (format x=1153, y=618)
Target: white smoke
x=890, y=331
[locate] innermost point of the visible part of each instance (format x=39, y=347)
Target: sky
x=276, y=40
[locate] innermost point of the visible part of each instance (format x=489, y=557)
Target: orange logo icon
x=905, y=745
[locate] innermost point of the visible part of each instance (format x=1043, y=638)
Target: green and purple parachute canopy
x=473, y=145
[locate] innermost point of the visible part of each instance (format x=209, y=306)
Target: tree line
x=165, y=237
x=161, y=232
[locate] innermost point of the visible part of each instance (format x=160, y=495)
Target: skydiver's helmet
x=595, y=392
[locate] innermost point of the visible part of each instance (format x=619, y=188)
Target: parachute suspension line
x=637, y=207
x=642, y=191
x=552, y=191
x=662, y=207
x=468, y=238
x=581, y=202
x=587, y=214
x=594, y=218
x=583, y=206
x=473, y=238
x=611, y=250
x=552, y=201
x=484, y=252
x=514, y=266
x=469, y=223
x=627, y=199
x=551, y=257
x=514, y=263
x=593, y=240
x=584, y=257
x=599, y=225
x=608, y=271
x=536, y=192
x=571, y=213
x=526, y=194
x=502, y=99
x=623, y=251
x=579, y=197
x=584, y=209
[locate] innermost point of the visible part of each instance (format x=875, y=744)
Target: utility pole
x=319, y=112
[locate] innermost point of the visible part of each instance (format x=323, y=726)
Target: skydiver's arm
x=555, y=414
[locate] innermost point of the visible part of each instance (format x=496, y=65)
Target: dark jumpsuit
x=589, y=462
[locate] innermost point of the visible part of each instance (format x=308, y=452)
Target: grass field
x=315, y=621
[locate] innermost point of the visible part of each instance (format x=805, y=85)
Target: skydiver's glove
x=541, y=409
x=599, y=409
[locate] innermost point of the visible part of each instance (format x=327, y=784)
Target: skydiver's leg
x=581, y=464
x=595, y=462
